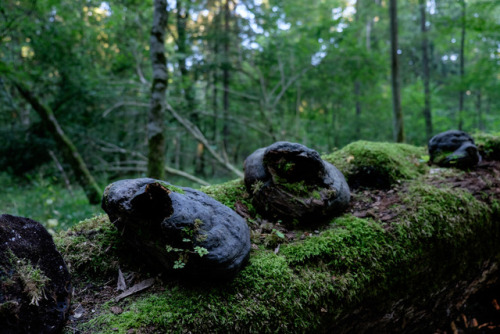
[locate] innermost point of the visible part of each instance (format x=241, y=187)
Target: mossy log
x=410, y=273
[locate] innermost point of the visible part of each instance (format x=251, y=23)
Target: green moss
x=311, y=283
x=439, y=234
x=171, y=187
x=230, y=192
x=375, y=164
x=488, y=145
x=299, y=189
x=89, y=247
x=444, y=214
x=33, y=280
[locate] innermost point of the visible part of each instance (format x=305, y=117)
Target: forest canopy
x=241, y=74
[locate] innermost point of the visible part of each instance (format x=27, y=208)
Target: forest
x=238, y=75
x=249, y=166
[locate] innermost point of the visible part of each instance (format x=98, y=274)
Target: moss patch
x=378, y=165
x=90, y=247
x=437, y=235
x=311, y=284
x=227, y=193
x=488, y=145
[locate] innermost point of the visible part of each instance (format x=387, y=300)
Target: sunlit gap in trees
x=342, y=16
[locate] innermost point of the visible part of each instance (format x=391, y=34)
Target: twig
x=63, y=173
x=121, y=104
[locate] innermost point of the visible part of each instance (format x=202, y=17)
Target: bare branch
x=140, y=165
x=198, y=135
x=287, y=85
x=121, y=104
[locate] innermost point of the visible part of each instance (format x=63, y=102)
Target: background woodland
x=239, y=75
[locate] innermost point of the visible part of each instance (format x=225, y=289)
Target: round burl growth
x=179, y=230
x=35, y=286
x=453, y=148
x=291, y=182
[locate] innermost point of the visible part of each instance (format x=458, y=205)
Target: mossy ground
x=309, y=284
x=488, y=145
x=378, y=165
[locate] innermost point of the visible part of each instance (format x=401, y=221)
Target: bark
x=357, y=94
x=479, y=109
x=187, y=82
x=425, y=72
x=65, y=145
x=462, y=70
x=183, y=51
x=357, y=84
x=156, y=119
x=225, y=76
x=398, y=128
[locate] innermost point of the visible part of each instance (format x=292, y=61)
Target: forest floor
x=480, y=314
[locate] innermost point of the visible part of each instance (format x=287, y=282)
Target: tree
x=70, y=153
x=425, y=70
x=156, y=126
x=461, y=92
x=398, y=129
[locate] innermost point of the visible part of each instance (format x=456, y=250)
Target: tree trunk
x=357, y=93
x=462, y=71
x=398, y=128
x=156, y=119
x=187, y=81
x=68, y=149
x=425, y=71
x=357, y=84
x=225, y=77
x=182, y=48
x=479, y=109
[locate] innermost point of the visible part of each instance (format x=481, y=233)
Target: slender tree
x=225, y=76
x=156, y=119
x=398, y=127
x=462, y=69
x=425, y=70
x=357, y=83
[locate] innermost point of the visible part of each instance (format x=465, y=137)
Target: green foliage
x=191, y=235
x=44, y=199
x=383, y=163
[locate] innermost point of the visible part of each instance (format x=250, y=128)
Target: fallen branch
x=143, y=161
x=198, y=135
x=61, y=170
x=64, y=143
